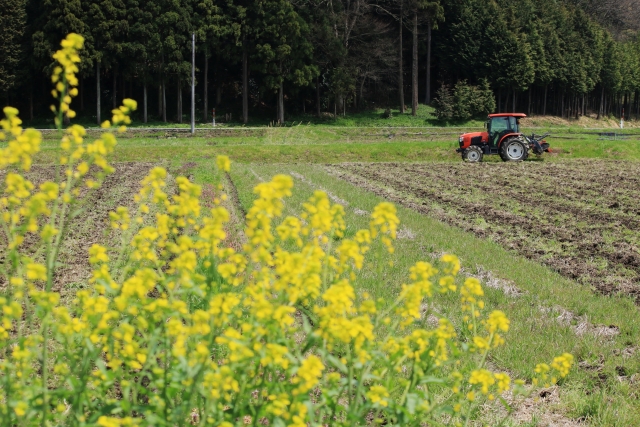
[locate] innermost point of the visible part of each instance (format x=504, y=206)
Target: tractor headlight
x=461, y=140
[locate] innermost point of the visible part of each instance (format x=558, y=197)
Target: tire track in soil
x=535, y=227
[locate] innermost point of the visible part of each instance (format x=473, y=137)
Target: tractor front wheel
x=472, y=154
x=514, y=150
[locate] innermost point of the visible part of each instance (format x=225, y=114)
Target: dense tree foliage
x=271, y=58
x=12, y=22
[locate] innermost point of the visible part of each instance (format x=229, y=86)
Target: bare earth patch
x=543, y=408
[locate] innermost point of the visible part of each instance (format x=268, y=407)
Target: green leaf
x=412, y=401
x=337, y=364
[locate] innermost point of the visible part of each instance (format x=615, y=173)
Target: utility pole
x=193, y=83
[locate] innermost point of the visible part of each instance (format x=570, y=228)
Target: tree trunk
x=144, y=118
x=360, y=95
x=164, y=101
x=98, y=107
x=601, y=109
x=577, y=104
x=31, y=103
x=114, y=95
x=179, y=102
x=400, y=74
x=281, y=103
x=529, y=108
x=159, y=100
x=122, y=89
x=218, y=95
x=514, y=100
x=428, y=97
x=81, y=94
x=318, y=112
x=414, y=67
x=499, y=100
x=206, y=86
x=571, y=100
x=245, y=84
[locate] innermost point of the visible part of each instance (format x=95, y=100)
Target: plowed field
x=92, y=224
x=579, y=218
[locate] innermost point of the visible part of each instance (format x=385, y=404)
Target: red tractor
x=502, y=137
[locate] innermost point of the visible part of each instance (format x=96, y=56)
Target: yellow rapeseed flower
x=224, y=164
x=308, y=374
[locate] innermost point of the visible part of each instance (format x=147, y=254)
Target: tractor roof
x=519, y=115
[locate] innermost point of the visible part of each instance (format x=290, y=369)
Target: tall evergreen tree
x=211, y=26
x=558, y=53
x=434, y=14
x=12, y=26
x=283, y=48
x=174, y=26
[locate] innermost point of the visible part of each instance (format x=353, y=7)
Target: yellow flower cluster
x=224, y=164
x=488, y=383
x=470, y=292
x=378, y=395
x=385, y=222
x=22, y=145
x=121, y=115
x=64, y=76
x=414, y=294
x=547, y=375
x=308, y=374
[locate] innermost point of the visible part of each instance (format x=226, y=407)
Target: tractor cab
x=503, y=137
x=501, y=125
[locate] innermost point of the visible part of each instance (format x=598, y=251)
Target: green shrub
x=444, y=103
x=464, y=102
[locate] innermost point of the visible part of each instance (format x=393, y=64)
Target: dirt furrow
x=578, y=238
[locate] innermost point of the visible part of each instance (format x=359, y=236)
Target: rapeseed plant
x=175, y=328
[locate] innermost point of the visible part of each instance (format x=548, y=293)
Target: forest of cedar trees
x=275, y=59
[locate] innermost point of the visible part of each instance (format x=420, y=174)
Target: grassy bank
x=375, y=117
x=333, y=144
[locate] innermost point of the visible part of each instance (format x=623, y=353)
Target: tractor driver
x=499, y=126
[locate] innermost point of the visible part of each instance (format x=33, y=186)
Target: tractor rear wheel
x=514, y=150
x=472, y=154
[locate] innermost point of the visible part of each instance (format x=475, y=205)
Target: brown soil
x=580, y=218
x=92, y=224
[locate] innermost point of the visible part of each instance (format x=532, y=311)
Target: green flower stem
x=359, y=388
x=61, y=227
x=45, y=397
